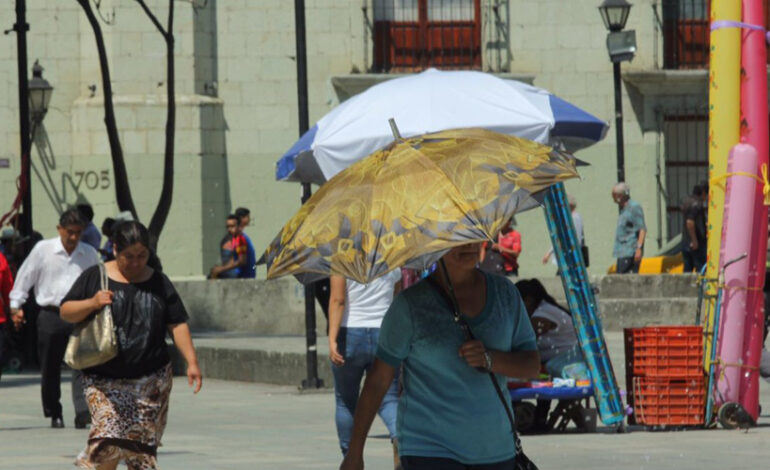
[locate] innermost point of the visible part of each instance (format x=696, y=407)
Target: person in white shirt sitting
x=51, y=268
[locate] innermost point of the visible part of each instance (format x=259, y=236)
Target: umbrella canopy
x=408, y=203
x=433, y=101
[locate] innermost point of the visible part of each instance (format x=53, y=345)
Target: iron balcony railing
x=412, y=35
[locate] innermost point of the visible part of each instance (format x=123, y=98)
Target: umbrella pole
x=394, y=129
x=312, y=381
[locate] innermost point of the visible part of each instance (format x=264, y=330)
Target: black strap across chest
x=451, y=300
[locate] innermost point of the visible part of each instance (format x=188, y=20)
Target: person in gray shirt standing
x=51, y=268
x=630, y=232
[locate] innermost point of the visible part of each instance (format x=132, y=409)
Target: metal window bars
x=685, y=29
x=412, y=35
x=684, y=132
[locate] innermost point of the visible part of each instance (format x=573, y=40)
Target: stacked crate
x=664, y=375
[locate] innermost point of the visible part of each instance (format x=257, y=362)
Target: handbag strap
x=451, y=300
x=103, y=279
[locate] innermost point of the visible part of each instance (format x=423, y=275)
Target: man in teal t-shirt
x=449, y=409
x=630, y=232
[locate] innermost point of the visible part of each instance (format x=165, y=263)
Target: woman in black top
x=128, y=395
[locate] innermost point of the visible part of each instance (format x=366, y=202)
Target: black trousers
x=627, y=265
x=52, y=336
x=409, y=462
x=694, y=260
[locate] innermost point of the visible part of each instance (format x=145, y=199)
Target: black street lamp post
x=21, y=27
x=621, y=46
x=312, y=381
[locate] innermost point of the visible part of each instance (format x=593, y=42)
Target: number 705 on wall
x=92, y=179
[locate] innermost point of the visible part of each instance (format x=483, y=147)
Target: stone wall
x=277, y=307
x=247, y=306
x=237, y=110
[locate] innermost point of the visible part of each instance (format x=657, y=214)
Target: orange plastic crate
x=669, y=402
x=665, y=351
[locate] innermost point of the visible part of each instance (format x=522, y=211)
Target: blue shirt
x=630, y=222
x=92, y=236
x=449, y=409
x=250, y=270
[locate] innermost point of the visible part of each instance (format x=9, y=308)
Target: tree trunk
x=122, y=188
x=167, y=191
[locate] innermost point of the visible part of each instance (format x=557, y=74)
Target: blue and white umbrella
x=432, y=101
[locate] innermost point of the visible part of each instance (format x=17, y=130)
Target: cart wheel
x=525, y=416
x=726, y=415
x=14, y=363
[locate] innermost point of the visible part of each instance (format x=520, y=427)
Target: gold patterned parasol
x=406, y=204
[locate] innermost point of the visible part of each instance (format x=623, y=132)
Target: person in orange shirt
x=502, y=257
x=509, y=246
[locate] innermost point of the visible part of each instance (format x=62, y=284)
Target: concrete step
x=247, y=357
x=274, y=308
x=617, y=314
x=631, y=286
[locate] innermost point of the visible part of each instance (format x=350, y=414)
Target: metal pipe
x=312, y=380
x=620, y=157
x=21, y=27
x=658, y=176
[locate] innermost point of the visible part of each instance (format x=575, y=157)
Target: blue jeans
x=358, y=346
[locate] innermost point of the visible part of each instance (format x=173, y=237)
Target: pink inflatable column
x=736, y=240
x=754, y=132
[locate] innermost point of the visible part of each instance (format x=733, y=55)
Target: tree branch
x=154, y=19
x=163, y=208
x=122, y=187
x=98, y=4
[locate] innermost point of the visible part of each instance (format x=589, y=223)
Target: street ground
x=233, y=425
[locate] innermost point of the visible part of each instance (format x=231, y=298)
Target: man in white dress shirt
x=51, y=268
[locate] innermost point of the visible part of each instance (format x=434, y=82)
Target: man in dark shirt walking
x=694, y=229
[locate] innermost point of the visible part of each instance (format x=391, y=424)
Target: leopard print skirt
x=128, y=417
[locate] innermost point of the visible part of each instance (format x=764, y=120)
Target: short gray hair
x=621, y=188
x=572, y=201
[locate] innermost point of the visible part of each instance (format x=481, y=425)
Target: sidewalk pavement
x=233, y=425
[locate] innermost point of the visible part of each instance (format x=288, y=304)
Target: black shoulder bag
x=522, y=462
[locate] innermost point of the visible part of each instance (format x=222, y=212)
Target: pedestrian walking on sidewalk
x=630, y=232
x=50, y=269
x=355, y=314
x=450, y=415
x=128, y=396
x=577, y=222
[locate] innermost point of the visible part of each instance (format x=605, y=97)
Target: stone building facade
x=237, y=108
